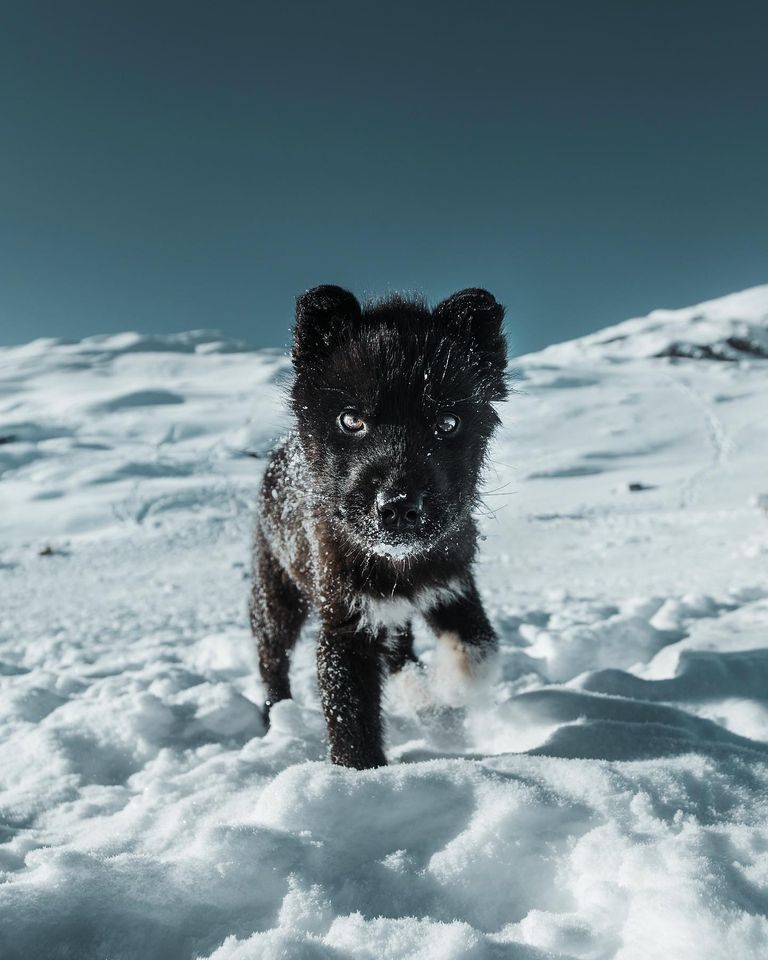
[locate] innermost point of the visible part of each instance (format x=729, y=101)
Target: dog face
x=394, y=410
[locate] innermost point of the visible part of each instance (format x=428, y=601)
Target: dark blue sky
x=170, y=165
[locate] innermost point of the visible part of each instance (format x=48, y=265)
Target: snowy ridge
x=609, y=804
x=729, y=328
x=105, y=346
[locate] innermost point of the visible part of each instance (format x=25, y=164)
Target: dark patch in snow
x=565, y=383
x=11, y=669
x=575, y=471
x=138, y=398
x=729, y=350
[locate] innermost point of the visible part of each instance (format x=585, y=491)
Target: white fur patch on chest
x=392, y=612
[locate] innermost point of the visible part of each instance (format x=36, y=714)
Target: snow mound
x=605, y=801
x=732, y=328
x=130, y=427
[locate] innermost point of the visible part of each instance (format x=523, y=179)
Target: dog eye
x=350, y=421
x=447, y=423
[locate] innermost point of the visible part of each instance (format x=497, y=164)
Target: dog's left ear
x=478, y=311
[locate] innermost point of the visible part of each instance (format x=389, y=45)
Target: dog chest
x=377, y=613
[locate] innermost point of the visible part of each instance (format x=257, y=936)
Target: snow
x=607, y=800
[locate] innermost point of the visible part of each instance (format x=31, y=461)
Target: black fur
x=369, y=527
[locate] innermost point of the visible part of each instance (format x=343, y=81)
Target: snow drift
x=609, y=802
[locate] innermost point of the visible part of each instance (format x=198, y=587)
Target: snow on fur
x=606, y=801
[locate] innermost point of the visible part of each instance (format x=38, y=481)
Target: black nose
x=400, y=513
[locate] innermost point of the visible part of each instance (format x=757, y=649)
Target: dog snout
x=401, y=511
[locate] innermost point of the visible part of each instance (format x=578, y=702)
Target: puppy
x=366, y=506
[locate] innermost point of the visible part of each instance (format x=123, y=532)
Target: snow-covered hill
x=729, y=328
x=611, y=802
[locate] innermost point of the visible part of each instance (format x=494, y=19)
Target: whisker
x=487, y=493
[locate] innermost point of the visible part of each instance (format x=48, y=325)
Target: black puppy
x=366, y=507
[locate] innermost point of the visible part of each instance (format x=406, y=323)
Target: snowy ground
x=610, y=804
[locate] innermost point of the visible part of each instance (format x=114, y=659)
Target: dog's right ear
x=322, y=315
x=478, y=311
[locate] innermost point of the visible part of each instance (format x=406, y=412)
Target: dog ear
x=478, y=311
x=321, y=315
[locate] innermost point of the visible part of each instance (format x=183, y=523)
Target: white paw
x=463, y=674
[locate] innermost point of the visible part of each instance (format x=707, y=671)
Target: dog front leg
x=467, y=647
x=349, y=670
x=277, y=611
